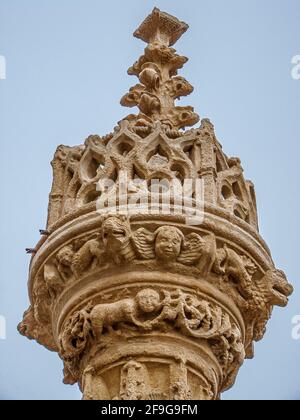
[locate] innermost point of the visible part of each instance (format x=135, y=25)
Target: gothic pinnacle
x=156, y=70
x=146, y=293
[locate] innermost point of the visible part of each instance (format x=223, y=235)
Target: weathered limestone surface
x=148, y=306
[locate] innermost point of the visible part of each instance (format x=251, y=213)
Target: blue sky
x=66, y=72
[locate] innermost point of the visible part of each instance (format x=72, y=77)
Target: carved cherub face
x=168, y=243
x=148, y=300
x=65, y=256
x=115, y=234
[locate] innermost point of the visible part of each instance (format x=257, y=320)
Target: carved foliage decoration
x=117, y=244
x=159, y=84
x=213, y=286
x=148, y=311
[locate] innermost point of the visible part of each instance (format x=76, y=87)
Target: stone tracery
x=124, y=299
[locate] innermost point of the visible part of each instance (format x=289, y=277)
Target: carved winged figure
x=74, y=337
x=169, y=245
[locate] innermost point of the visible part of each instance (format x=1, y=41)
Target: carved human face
x=115, y=234
x=65, y=256
x=168, y=244
x=148, y=300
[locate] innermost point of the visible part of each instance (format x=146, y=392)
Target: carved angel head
x=168, y=243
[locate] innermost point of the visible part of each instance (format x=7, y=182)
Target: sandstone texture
x=144, y=305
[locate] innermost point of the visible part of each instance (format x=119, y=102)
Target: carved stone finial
x=157, y=72
x=138, y=303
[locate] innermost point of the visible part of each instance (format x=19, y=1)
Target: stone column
x=152, y=305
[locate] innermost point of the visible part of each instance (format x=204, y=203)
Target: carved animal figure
x=275, y=288
x=272, y=290
x=32, y=329
x=146, y=310
x=28, y=325
x=229, y=263
x=127, y=310
x=169, y=245
x=87, y=257
x=117, y=239
x=114, y=241
x=54, y=281
x=64, y=262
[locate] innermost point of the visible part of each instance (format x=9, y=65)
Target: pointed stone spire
x=157, y=69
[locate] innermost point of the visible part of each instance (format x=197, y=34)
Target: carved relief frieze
x=140, y=304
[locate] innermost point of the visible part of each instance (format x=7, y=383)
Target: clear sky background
x=66, y=72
